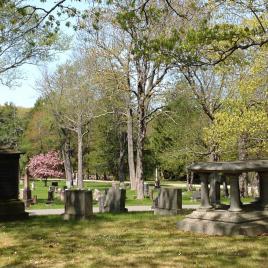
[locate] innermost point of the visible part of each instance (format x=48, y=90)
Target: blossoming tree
x=45, y=166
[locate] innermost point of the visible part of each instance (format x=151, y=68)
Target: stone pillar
x=205, y=204
x=78, y=204
x=214, y=191
x=27, y=193
x=264, y=189
x=235, y=203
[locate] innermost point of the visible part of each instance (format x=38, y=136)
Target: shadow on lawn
x=124, y=240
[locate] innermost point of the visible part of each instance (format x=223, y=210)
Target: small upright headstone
x=168, y=202
x=146, y=189
x=50, y=197
x=27, y=193
x=78, y=204
x=113, y=201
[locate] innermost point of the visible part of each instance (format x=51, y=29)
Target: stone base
x=166, y=212
x=77, y=217
x=222, y=222
x=12, y=210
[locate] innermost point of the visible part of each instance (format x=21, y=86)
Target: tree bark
x=131, y=164
x=121, y=164
x=80, y=157
x=140, y=149
x=243, y=155
x=67, y=161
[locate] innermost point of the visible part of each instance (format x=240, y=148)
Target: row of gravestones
x=79, y=203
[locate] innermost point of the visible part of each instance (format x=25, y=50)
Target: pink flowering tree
x=45, y=166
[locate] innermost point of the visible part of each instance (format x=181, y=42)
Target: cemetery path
x=59, y=211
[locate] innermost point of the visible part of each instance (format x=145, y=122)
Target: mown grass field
x=122, y=240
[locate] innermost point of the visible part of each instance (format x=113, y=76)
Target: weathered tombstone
x=101, y=203
x=146, y=189
x=10, y=205
x=168, y=202
x=78, y=204
x=113, y=201
x=50, y=197
x=27, y=193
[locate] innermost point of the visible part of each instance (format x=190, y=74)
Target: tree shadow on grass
x=133, y=239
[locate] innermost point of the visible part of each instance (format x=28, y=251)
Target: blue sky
x=25, y=95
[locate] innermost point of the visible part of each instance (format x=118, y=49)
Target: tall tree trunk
x=242, y=155
x=67, y=161
x=80, y=157
x=140, y=150
x=131, y=164
x=121, y=164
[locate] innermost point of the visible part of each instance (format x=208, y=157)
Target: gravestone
x=146, y=190
x=78, y=204
x=27, y=193
x=50, y=197
x=10, y=205
x=168, y=202
x=113, y=200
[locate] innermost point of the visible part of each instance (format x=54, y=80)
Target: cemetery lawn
x=41, y=192
x=122, y=240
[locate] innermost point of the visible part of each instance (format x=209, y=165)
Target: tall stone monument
x=27, y=193
x=11, y=207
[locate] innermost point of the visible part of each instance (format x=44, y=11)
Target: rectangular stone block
x=78, y=204
x=114, y=200
x=168, y=202
x=170, y=198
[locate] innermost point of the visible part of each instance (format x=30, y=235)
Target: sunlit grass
x=122, y=240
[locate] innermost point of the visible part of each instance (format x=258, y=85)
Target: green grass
x=122, y=240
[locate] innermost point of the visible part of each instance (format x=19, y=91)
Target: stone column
x=204, y=192
x=27, y=194
x=214, y=191
x=235, y=203
x=264, y=189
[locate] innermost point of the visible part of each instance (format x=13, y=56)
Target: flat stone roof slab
x=230, y=167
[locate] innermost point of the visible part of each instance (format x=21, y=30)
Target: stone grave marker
x=10, y=205
x=78, y=204
x=113, y=200
x=168, y=202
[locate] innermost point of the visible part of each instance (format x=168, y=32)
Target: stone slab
x=231, y=167
x=219, y=222
x=230, y=217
